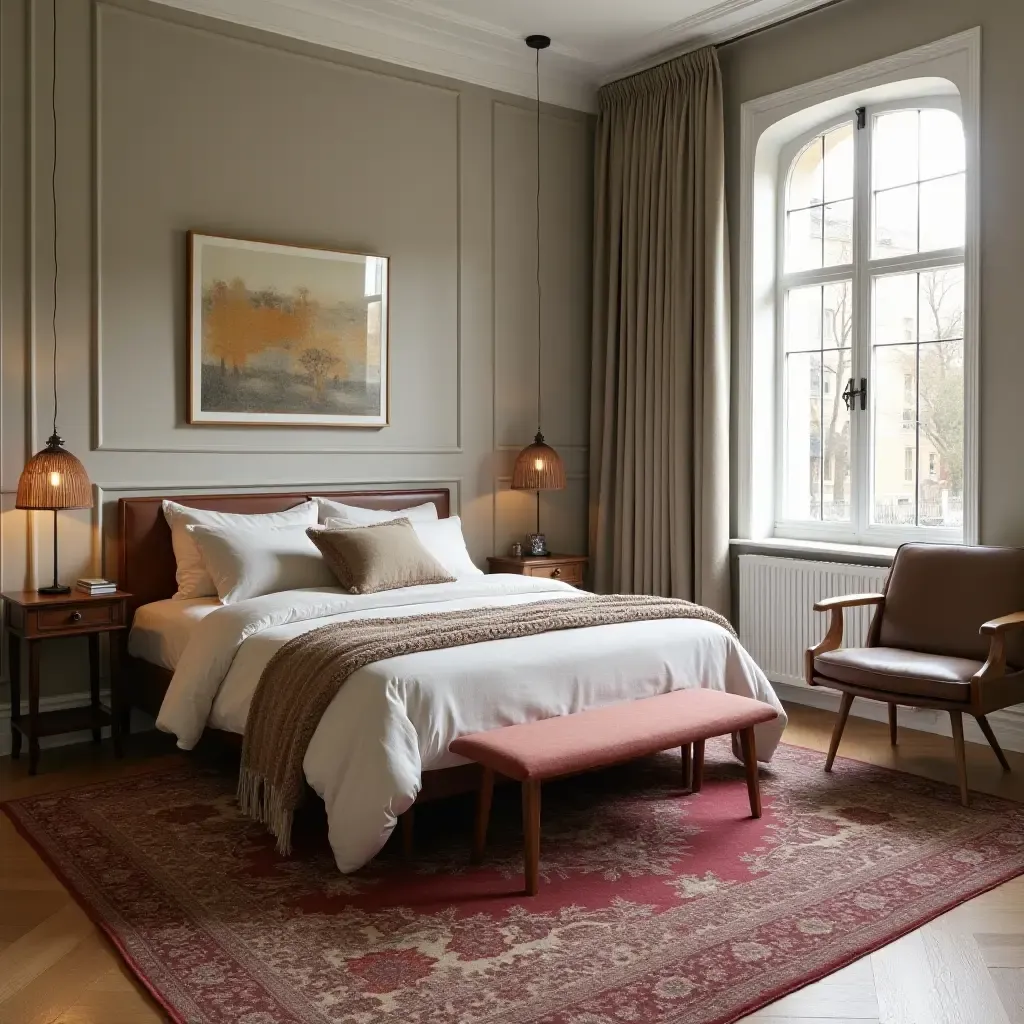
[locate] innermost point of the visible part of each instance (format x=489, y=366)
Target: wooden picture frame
x=285, y=335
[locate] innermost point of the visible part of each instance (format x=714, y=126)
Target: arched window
x=870, y=323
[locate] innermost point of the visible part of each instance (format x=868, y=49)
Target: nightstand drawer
x=566, y=572
x=54, y=619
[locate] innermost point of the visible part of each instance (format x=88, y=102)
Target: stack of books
x=95, y=585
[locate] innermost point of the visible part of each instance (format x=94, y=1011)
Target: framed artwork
x=281, y=335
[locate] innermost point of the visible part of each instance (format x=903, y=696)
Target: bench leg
x=483, y=814
x=687, y=750
x=698, y=766
x=749, y=749
x=407, y=842
x=531, y=835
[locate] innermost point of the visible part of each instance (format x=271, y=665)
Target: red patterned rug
x=655, y=906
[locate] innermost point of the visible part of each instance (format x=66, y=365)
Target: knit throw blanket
x=303, y=676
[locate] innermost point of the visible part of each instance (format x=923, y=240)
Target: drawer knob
x=76, y=616
x=555, y=573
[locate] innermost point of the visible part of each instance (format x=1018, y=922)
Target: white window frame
x=861, y=272
x=946, y=72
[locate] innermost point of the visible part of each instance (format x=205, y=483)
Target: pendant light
x=538, y=467
x=53, y=479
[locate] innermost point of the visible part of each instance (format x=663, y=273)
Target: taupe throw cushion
x=381, y=556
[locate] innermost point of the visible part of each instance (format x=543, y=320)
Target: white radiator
x=777, y=618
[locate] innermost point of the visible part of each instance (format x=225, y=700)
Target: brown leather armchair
x=946, y=634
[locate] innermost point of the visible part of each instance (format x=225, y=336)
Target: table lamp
x=53, y=479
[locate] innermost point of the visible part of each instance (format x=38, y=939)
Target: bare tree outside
x=911, y=349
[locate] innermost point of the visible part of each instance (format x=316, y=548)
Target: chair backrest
x=938, y=595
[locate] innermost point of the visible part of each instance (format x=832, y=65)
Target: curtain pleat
x=659, y=455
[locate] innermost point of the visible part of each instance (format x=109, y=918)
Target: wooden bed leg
x=698, y=766
x=407, y=836
x=687, y=750
x=483, y=814
x=531, y=835
x=749, y=749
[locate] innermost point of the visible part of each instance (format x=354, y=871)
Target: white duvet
x=394, y=719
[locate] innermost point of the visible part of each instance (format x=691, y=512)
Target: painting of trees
x=317, y=362
x=288, y=332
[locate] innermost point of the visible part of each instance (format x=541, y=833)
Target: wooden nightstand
x=567, y=568
x=32, y=618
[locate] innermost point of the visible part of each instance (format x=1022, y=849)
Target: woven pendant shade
x=538, y=468
x=54, y=479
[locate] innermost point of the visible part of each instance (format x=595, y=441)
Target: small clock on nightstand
x=567, y=568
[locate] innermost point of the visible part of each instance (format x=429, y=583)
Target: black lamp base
x=55, y=591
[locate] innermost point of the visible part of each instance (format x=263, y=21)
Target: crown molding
x=715, y=25
x=417, y=35
x=423, y=35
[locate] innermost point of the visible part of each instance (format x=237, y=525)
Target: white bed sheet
x=395, y=719
x=161, y=630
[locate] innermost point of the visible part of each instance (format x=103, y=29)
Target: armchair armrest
x=833, y=639
x=995, y=665
x=1003, y=623
x=847, y=601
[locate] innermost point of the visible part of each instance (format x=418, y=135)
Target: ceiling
x=594, y=41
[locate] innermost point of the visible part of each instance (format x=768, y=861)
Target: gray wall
x=859, y=31
x=168, y=122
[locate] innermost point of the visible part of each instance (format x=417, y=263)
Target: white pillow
x=249, y=563
x=354, y=516
x=191, y=575
x=444, y=540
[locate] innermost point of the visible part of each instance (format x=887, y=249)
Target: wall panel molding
x=99, y=441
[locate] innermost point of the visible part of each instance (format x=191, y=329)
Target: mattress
x=162, y=629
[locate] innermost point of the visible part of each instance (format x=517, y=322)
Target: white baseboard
x=140, y=722
x=1008, y=725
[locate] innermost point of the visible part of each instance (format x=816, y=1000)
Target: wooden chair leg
x=957, y=721
x=892, y=725
x=483, y=814
x=992, y=741
x=837, y=732
x=531, y=835
x=749, y=748
x=687, y=750
x=407, y=835
x=697, y=773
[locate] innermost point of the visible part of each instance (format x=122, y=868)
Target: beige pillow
x=381, y=556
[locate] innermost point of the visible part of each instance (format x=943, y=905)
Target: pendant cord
x=53, y=195
x=537, y=52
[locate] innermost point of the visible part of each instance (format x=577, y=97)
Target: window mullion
x=860, y=420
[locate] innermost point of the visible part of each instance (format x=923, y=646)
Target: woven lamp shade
x=538, y=468
x=54, y=479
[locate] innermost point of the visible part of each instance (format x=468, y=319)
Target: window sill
x=859, y=554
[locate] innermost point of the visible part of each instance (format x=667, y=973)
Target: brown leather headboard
x=145, y=559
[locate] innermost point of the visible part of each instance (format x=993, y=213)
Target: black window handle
x=851, y=393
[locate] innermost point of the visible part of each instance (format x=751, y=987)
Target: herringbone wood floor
x=965, y=968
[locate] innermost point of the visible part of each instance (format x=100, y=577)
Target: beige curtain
x=659, y=456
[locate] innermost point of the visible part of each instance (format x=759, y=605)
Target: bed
x=383, y=743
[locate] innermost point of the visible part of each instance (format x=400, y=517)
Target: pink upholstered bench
x=536, y=751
